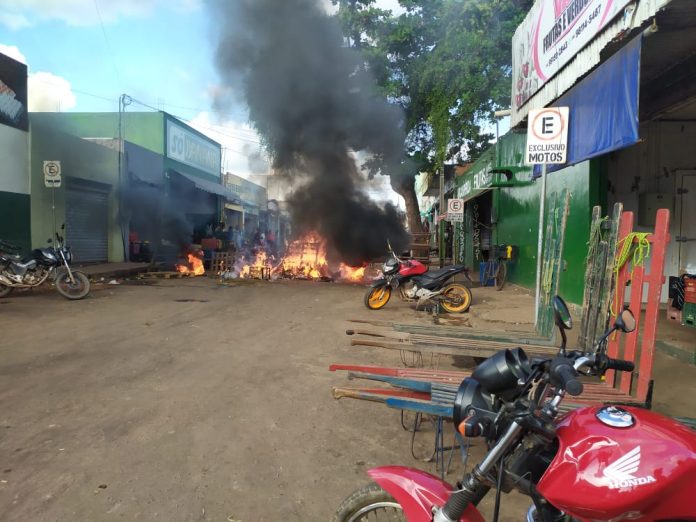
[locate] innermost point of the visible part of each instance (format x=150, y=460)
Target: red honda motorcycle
x=416, y=283
x=606, y=463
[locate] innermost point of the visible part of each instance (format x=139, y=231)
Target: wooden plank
x=473, y=350
x=656, y=279
x=625, y=228
x=589, y=271
x=375, y=394
x=421, y=406
x=399, y=382
x=449, y=376
x=608, y=287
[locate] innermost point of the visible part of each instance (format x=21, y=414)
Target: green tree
x=447, y=63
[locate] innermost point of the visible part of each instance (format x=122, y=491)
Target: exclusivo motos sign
x=552, y=33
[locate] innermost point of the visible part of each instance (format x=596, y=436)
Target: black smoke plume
x=313, y=103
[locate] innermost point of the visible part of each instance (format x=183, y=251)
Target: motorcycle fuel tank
x=412, y=268
x=621, y=463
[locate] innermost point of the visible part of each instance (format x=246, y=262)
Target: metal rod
x=540, y=242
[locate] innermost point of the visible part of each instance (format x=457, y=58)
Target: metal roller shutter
x=87, y=220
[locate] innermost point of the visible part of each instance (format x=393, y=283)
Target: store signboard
x=193, y=150
x=552, y=33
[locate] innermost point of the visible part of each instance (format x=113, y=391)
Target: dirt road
x=188, y=401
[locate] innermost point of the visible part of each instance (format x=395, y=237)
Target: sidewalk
x=112, y=270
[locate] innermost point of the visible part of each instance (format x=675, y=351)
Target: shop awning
x=603, y=108
x=479, y=182
x=235, y=207
x=251, y=210
x=210, y=187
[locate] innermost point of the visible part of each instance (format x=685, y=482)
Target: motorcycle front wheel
x=73, y=291
x=369, y=503
x=456, y=298
x=5, y=291
x=377, y=297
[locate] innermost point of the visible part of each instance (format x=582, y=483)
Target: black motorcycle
x=38, y=266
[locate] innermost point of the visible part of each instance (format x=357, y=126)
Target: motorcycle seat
x=442, y=272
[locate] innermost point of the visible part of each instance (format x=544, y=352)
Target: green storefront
x=502, y=207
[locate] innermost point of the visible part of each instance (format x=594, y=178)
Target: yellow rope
x=637, y=252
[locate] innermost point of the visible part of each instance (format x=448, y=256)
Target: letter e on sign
x=547, y=136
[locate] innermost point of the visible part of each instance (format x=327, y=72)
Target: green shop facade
x=502, y=207
x=164, y=190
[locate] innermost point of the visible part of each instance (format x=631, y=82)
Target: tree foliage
x=446, y=62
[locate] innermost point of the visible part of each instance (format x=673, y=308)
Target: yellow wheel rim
x=461, y=292
x=379, y=297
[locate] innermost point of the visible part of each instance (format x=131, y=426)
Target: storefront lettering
x=188, y=148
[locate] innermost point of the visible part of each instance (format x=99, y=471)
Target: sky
x=83, y=54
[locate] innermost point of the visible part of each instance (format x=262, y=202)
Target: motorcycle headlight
x=68, y=255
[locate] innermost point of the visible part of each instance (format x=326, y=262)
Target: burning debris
x=305, y=258
x=194, y=266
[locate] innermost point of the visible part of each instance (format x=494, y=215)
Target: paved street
x=186, y=400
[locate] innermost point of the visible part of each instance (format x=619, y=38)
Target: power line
x=106, y=39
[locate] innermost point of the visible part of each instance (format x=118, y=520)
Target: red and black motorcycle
x=605, y=463
x=416, y=283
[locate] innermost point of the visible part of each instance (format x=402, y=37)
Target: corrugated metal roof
x=634, y=17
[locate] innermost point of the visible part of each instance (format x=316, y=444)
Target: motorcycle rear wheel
x=5, y=291
x=370, y=502
x=377, y=297
x=456, y=298
x=73, y=291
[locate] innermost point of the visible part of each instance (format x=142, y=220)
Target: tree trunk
x=404, y=187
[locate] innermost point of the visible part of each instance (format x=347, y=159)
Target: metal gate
x=87, y=219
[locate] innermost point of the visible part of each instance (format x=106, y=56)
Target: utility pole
x=123, y=101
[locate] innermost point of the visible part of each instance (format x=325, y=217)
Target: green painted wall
x=79, y=159
x=142, y=128
x=517, y=210
x=15, y=223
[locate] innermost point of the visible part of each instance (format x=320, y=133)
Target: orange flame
x=254, y=269
x=306, y=258
x=194, y=267
x=349, y=273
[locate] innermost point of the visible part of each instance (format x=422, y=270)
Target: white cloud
x=16, y=15
x=50, y=93
x=242, y=152
x=14, y=21
x=13, y=52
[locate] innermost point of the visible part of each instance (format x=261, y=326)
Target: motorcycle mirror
x=626, y=321
x=562, y=314
x=49, y=240
x=62, y=226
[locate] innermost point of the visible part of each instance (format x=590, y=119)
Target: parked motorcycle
x=415, y=282
x=38, y=266
x=601, y=463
